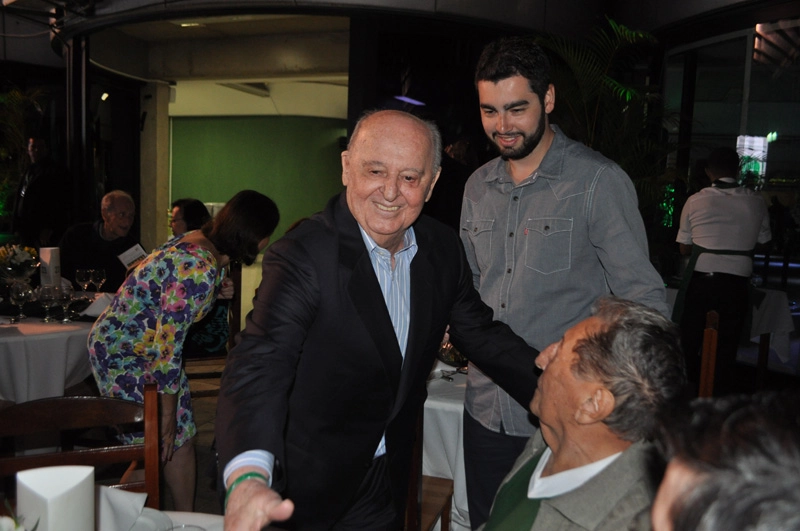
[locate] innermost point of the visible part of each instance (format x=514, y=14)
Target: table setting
x=43, y=338
x=442, y=433
x=66, y=498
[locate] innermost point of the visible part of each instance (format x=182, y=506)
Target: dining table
x=770, y=327
x=41, y=360
x=185, y=521
x=200, y=521
x=442, y=437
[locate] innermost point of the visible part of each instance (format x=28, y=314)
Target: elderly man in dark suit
x=320, y=396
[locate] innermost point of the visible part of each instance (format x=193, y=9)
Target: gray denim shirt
x=543, y=251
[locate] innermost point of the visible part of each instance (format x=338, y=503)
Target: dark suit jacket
x=317, y=376
x=82, y=247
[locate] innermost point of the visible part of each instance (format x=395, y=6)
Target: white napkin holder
x=59, y=498
x=50, y=268
x=118, y=509
x=98, y=306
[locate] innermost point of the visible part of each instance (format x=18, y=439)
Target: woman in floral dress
x=139, y=338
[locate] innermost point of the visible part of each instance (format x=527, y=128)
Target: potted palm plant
x=18, y=110
x=607, y=101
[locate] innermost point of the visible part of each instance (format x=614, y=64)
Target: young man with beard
x=548, y=226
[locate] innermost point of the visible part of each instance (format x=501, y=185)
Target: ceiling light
x=412, y=101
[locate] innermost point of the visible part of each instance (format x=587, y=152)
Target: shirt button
x=510, y=234
x=508, y=270
x=516, y=198
x=502, y=305
x=547, y=227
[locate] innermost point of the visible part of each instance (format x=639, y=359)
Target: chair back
x=429, y=498
x=708, y=359
x=69, y=417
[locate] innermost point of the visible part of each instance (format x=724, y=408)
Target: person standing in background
x=548, y=227
x=720, y=227
x=42, y=199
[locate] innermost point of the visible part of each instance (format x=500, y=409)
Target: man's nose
x=502, y=123
x=390, y=189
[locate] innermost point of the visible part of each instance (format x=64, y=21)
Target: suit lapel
x=365, y=292
x=422, y=301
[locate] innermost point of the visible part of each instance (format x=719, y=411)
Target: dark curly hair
x=515, y=56
x=195, y=214
x=246, y=219
x=637, y=356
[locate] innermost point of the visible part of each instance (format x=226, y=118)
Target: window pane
x=718, y=93
x=775, y=97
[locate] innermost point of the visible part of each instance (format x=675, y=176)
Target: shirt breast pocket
x=548, y=245
x=480, y=234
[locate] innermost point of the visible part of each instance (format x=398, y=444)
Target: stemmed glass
x=65, y=295
x=83, y=277
x=47, y=297
x=20, y=293
x=98, y=277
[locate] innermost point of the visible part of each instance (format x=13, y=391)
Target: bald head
x=389, y=170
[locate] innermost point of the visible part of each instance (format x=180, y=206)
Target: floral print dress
x=139, y=338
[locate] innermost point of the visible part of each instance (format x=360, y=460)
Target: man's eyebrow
x=507, y=106
x=367, y=163
x=517, y=103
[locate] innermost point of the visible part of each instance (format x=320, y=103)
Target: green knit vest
x=512, y=508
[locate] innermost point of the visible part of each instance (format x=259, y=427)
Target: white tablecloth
x=208, y=522
x=442, y=445
x=40, y=360
x=771, y=316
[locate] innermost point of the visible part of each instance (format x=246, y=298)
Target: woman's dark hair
x=245, y=220
x=194, y=212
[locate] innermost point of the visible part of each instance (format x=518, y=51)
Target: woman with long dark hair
x=139, y=338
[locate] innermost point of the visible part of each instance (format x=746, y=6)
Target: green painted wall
x=292, y=159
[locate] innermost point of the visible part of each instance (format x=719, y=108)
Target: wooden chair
x=708, y=359
x=205, y=373
x=72, y=416
x=429, y=498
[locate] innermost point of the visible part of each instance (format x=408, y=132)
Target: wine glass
x=98, y=277
x=83, y=277
x=20, y=293
x=65, y=296
x=47, y=297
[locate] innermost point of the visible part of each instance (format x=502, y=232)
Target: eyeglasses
x=122, y=215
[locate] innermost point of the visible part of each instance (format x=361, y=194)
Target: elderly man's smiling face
x=388, y=172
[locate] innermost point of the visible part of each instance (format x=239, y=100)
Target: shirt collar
x=566, y=481
x=409, y=241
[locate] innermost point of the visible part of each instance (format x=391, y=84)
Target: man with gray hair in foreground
x=734, y=465
x=601, y=389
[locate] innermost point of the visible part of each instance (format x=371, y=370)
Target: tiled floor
x=206, y=499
